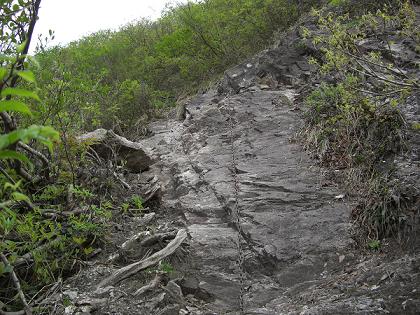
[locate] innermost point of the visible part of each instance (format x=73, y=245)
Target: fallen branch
x=54, y=214
x=34, y=152
x=125, y=184
x=132, y=269
x=152, y=285
x=16, y=283
x=22, y=312
x=128, y=244
x=156, y=238
x=9, y=178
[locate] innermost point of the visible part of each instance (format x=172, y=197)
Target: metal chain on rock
x=236, y=213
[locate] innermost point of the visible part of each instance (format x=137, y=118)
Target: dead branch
x=9, y=178
x=94, y=156
x=22, y=312
x=132, y=269
x=156, y=238
x=53, y=214
x=16, y=282
x=396, y=72
x=152, y=285
x=127, y=245
x=377, y=76
x=125, y=185
x=35, y=153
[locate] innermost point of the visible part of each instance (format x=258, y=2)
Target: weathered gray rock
x=111, y=146
x=293, y=224
x=296, y=229
x=283, y=64
x=174, y=289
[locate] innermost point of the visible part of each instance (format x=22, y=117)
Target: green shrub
x=356, y=123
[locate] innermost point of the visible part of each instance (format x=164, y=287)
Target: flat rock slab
x=294, y=226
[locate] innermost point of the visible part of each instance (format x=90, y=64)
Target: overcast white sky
x=72, y=19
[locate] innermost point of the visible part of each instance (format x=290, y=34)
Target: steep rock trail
x=294, y=227
x=299, y=256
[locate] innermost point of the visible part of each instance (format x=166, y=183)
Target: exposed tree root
x=132, y=269
x=152, y=285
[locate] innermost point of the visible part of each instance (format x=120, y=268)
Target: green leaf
x=3, y=73
x=15, y=186
x=27, y=75
x=33, y=61
x=44, y=134
x=21, y=47
x=9, y=154
x=4, y=57
x=14, y=106
x=5, y=269
x=17, y=196
x=20, y=92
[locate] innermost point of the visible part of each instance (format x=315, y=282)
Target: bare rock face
x=111, y=146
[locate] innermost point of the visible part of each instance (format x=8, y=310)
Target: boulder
x=111, y=146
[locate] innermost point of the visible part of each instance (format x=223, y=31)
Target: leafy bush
x=356, y=123
x=42, y=234
x=348, y=129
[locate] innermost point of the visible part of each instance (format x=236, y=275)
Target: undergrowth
x=355, y=123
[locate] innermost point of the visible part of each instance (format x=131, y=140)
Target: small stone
x=70, y=310
x=174, y=289
x=189, y=285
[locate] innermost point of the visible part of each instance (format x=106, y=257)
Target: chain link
x=236, y=213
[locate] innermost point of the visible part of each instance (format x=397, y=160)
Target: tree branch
x=16, y=282
x=132, y=269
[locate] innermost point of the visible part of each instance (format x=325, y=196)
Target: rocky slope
x=299, y=255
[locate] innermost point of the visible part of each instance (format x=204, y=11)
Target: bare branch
x=132, y=269
x=16, y=282
x=34, y=152
x=152, y=285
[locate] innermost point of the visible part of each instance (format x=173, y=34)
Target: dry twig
x=16, y=283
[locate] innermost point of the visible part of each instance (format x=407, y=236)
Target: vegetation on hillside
x=355, y=123
x=121, y=79
x=47, y=221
